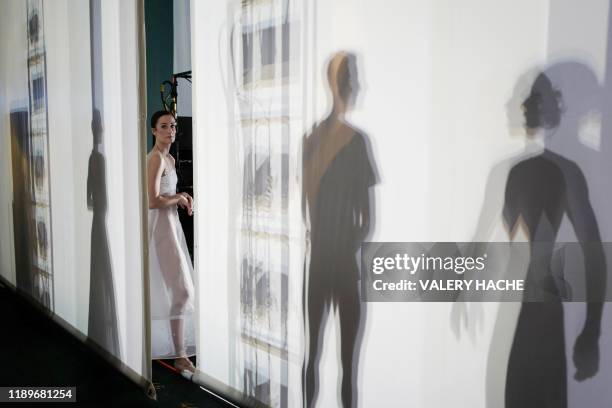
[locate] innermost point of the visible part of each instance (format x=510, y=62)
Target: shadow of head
x=343, y=79
x=544, y=105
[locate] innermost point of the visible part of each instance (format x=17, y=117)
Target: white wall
x=128, y=168
x=440, y=80
x=436, y=80
x=211, y=179
x=69, y=86
x=120, y=148
x=69, y=105
x=580, y=63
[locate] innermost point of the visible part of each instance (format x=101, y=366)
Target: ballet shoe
x=184, y=364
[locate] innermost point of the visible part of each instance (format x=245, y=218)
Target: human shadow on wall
x=23, y=217
x=102, y=327
x=540, y=190
x=338, y=172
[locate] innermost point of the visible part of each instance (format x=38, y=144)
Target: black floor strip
x=36, y=351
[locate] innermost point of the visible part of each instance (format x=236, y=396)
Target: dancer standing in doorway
x=171, y=271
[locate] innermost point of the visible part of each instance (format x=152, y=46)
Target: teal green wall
x=160, y=52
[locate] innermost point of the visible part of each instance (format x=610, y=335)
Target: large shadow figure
x=540, y=191
x=337, y=174
x=102, y=327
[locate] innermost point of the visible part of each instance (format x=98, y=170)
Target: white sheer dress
x=171, y=279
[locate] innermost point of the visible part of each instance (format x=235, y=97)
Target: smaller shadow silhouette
x=337, y=174
x=103, y=325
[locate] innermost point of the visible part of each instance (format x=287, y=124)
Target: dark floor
x=36, y=351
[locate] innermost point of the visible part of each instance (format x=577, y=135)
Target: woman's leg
x=178, y=332
x=182, y=294
x=177, y=278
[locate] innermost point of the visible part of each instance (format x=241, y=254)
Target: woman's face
x=165, y=129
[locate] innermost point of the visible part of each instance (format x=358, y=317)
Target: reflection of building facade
x=42, y=274
x=263, y=90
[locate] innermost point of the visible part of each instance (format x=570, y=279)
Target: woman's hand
x=188, y=202
x=183, y=202
x=586, y=355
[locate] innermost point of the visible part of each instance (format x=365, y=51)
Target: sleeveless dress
x=171, y=277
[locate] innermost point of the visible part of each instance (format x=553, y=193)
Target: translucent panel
x=320, y=125
x=14, y=105
x=73, y=238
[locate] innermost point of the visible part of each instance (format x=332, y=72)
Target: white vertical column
x=120, y=146
x=60, y=147
x=112, y=148
x=133, y=165
x=211, y=180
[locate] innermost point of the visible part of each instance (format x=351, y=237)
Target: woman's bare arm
x=155, y=169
